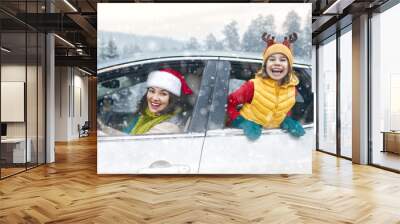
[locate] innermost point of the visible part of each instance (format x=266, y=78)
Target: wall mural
x=204, y=89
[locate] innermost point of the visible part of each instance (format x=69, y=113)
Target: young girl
x=268, y=97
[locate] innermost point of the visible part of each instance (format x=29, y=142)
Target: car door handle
x=163, y=166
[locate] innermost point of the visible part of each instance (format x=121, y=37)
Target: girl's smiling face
x=157, y=99
x=277, y=66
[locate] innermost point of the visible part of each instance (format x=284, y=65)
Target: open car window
x=237, y=73
x=121, y=90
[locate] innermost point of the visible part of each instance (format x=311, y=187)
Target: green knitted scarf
x=148, y=120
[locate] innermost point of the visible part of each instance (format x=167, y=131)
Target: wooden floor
x=70, y=191
x=10, y=171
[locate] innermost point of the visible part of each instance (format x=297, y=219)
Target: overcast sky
x=181, y=21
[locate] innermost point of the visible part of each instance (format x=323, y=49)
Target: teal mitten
x=250, y=129
x=293, y=127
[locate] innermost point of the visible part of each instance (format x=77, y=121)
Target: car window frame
x=217, y=121
x=217, y=113
x=199, y=119
x=198, y=123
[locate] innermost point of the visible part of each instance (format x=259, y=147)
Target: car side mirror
x=112, y=84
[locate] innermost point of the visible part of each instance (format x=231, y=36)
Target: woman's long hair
x=174, y=103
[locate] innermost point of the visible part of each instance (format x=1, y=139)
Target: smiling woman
x=160, y=105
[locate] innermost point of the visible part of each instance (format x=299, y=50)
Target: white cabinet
x=16, y=146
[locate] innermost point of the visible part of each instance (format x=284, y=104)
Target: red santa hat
x=170, y=80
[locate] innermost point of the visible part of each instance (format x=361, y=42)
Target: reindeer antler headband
x=284, y=48
x=287, y=40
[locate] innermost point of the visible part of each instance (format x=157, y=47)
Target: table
x=16, y=148
x=391, y=141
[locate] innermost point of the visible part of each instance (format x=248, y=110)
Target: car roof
x=160, y=56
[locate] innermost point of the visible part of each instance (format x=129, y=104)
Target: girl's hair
x=285, y=80
x=173, y=104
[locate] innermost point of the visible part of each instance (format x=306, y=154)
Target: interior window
x=120, y=92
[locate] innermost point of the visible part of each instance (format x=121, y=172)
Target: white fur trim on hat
x=166, y=81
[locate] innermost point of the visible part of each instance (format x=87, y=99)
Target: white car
x=206, y=145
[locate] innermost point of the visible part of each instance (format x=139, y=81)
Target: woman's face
x=157, y=99
x=277, y=66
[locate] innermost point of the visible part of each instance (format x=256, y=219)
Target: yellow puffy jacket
x=271, y=102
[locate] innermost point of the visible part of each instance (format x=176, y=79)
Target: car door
x=159, y=153
x=227, y=151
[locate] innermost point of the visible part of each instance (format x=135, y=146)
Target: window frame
x=198, y=120
x=216, y=120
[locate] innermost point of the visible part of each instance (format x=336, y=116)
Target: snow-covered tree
x=252, y=37
x=305, y=39
x=131, y=49
x=192, y=44
x=111, y=50
x=292, y=24
x=211, y=42
x=231, y=39
x=101, y=54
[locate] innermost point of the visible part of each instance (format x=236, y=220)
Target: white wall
x=71, y=94
x=80, y=110
x=12, y=73
x=33, y=126
x=61, y=103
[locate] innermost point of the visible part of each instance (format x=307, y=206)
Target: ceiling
x=76, y=22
